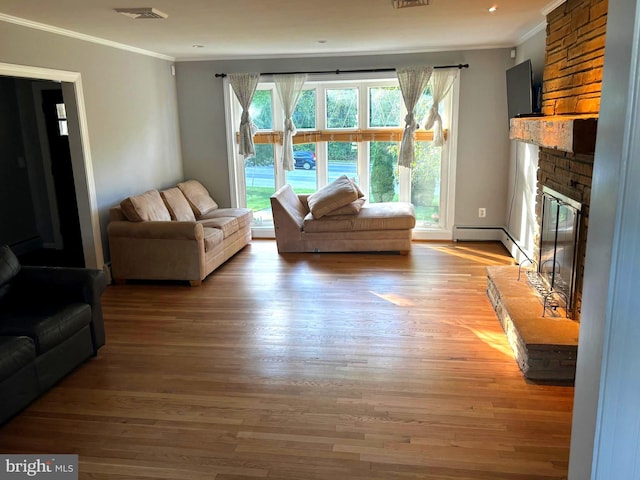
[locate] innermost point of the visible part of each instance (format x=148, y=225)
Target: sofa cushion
x=349, y=209
x=228, y=225
x=146, y=207
x=15, y=353
x=177, y=204
x=337, y=194
x=48, y=325
x=213, y=238
x=198, y=197
x=243, y=215
x=9, y=268
x=375, y=216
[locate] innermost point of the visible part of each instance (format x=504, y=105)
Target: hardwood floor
x=307, y=366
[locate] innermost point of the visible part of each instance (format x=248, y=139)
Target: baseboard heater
x=501, y=229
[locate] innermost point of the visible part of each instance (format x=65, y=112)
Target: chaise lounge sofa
x=50, y=323
x=336, y=218
x=176, y=234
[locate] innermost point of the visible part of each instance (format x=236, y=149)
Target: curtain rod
x=460, y=66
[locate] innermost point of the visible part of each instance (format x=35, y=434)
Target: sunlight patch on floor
x=496, y=340
x=394, y=299
x=471, y=254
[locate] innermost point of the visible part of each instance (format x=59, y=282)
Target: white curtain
x=413, y=81
x=244, y=86
x=289, y=88
x=441, y=81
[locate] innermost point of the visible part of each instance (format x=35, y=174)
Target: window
x=351, y=128
x=61, y=113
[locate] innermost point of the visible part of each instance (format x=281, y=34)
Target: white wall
x=483, y=146
x=520, y=217
x=131, y=107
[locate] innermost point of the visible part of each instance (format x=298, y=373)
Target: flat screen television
x=520, y=90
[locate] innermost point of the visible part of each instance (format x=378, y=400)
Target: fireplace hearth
x=545, y=347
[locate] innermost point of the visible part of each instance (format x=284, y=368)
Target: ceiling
x=236, y=29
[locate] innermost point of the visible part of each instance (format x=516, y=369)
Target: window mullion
x=322, y=168
x=278, y=125
x=363, y=147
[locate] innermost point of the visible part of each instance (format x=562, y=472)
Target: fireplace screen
x=558, y=244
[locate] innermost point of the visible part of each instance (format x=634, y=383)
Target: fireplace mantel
x=568, y=133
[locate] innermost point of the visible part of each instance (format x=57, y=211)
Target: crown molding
x=81, y=36
x=538, y=28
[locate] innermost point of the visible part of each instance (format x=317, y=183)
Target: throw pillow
x=337, y=194
x=350, y=209
x=145, y=208
x=178, y=206
x=198, y=197
x=360, y=194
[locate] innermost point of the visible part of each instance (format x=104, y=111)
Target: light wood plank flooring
x=307, y=366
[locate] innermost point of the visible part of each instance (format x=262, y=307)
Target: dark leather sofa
x=50, y=322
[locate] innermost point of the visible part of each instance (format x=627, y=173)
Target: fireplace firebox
x=557, y=254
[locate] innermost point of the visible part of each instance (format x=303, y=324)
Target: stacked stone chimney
x=572, y=83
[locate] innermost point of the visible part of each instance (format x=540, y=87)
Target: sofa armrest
x=157, y=250
x=157, y=230
x=61, y=285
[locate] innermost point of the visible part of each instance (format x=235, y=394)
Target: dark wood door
x=62, y=172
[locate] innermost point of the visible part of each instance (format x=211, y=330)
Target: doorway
x=79, y=146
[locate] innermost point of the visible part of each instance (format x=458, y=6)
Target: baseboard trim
x=492, y=233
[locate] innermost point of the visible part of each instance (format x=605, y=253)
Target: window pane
x=260, y=181
x=425, y=184
x=62, y=128
x=261, y=110
x=383, y=180
x=423, y=106
x=303, y=178
x=61, y=111
x=304, y=116
x=385, y=107
x=342, y=108
x=343, y=160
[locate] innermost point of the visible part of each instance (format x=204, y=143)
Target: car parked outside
x=304, y=159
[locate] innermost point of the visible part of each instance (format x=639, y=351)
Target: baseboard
x=500, y=234
x=515, y=250
x=264, y=232
x=476, y=234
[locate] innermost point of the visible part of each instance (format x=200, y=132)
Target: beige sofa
x=176, y=234
x=340, y=226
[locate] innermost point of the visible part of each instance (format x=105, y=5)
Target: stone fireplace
x=544, y=340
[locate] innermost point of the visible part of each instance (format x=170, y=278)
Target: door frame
x=73, y=95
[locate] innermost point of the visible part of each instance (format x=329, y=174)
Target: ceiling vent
x=409, y=3
x=141, y=12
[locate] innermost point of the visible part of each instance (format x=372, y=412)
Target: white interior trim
x=80, y=36
x=80, y=157
x=531, y=33
x=551, y=7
